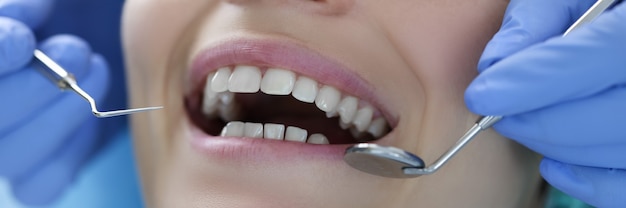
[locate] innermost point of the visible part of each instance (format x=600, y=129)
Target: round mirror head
x=381, y=160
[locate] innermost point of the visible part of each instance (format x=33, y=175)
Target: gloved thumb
x=587, y=62
x=600, y=187
x=527, y=22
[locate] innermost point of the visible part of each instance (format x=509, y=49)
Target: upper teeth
x=245, y=79
x=223, y=83
x=278, y=82
x=305, y=89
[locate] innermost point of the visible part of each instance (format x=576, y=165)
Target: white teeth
x=305, y=89
x=219, y=99
x=331, y=114
x=317, y=139
x=343, y=125
x=219, y=82
x=253, y=130
x=210, y=99
x=278, y=82
x=378, y=127
x=245, y=79
x=327, y=99
x=271, y=131
x=363, y=118
x=274, y=131
x=295, y=134
x=233, y=129
x=347, y=109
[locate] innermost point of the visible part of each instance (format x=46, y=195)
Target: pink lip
x=280, y=54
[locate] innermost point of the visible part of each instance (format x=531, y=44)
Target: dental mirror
x=396, y=163
x=381, y=160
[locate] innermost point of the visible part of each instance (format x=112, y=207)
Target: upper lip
x=284, y=54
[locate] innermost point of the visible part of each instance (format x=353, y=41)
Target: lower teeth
x=271, y=131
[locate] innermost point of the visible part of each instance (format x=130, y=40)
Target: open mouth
x=272, y=103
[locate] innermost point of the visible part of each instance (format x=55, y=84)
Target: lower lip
x=248, y=149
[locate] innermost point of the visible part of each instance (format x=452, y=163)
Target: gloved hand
x=45, y=134
x=563, y=97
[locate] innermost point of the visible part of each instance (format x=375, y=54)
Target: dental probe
x=65, y=80
x=397, y=163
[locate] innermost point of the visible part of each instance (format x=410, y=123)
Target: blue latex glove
x=45, y=134
x=563, y=97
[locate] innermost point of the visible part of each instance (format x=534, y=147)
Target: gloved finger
x=31, y=12
x=26, y=91
x=27, y=145
x=71, y=52
x=528, y=22
x=599, y=187
x=17, y=43
x=589, y=60
x=47, y=182
x=587, y=132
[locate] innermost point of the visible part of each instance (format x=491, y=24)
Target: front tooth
x=295, y=134
x=209, y=101
x=219, y=82
x=233, y=129
x=253, y=130
x=274, y=131
x=378, y=127
x=347, y=109
x=327, y=99
x=278, y=82
x=245, y=79
x=317, y=139
x=305, y=89
x=363, y=118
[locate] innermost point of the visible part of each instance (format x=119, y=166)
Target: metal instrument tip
x=107, y=114
x=64, y=80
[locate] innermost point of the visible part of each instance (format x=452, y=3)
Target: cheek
x=152, y=29
x=149, y=29
x=442, y=42
x=152, y=32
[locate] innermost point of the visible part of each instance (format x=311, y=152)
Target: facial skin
x=415, y=58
